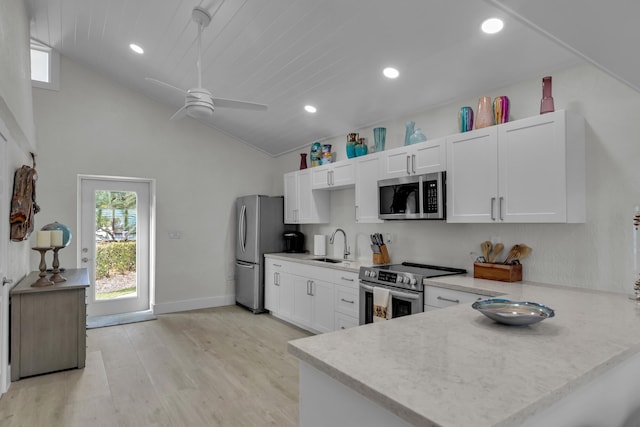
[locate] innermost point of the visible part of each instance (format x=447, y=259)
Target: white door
x=114, y=237
x=4, y=242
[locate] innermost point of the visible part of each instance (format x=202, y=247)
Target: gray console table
x=48, y=325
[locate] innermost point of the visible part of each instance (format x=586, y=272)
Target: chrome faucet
x=346, y=248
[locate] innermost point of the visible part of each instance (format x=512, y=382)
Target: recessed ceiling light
x=492, y=25
x=310, y=109
x=137, y=49
x=390, y=73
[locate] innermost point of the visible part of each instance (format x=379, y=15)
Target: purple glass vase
x=546, y=104
x=303, y=161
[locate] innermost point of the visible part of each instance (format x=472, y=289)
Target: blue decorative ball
x=66, y=231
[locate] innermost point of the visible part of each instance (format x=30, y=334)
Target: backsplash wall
x=597, y=254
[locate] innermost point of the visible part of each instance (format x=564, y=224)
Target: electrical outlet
x=389, y=238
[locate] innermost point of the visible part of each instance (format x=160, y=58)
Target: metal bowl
x=518, y=313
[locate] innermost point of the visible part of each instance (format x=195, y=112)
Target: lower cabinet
x=314, y=298
x=436, y=297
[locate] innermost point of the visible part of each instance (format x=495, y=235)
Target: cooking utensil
x=496, y=251
x=518, y=252
x=486, y=249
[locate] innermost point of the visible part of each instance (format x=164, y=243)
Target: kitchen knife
x=375, y=249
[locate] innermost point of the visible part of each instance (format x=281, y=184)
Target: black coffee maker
x=293, y=242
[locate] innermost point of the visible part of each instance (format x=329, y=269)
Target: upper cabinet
x=418, y=159
x=334, y=175
x=301, y=204
x=527, y=171
x=367, y=175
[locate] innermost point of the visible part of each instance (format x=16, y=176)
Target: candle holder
x=56, y=277
x=42, y=281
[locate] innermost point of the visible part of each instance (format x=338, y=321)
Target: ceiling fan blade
x=161, y=83
x=243, y=105
x=179, y=114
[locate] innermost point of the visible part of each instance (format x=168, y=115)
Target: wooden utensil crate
x=500, y=272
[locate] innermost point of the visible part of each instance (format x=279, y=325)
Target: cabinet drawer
x=346, y=300
x=342, y=321
x=346, y=278
x=442, y=297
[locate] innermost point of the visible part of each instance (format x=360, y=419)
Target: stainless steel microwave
x=413, y=197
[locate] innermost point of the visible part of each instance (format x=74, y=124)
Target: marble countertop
x=305, y=258
x=455, y=367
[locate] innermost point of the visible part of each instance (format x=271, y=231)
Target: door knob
x=6, y=281
x=85, y=259
x=85, y=250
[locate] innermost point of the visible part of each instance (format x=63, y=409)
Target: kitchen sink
x=329, y=260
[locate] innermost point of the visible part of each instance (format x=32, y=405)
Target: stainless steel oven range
x=404, y=282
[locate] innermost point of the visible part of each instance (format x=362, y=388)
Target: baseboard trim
x=193, y=304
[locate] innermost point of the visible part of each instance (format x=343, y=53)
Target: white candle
x=44, y=239
x=56, y=237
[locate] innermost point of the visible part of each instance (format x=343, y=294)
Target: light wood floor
x=212, y=367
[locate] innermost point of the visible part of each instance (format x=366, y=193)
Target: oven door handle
x=393, y=293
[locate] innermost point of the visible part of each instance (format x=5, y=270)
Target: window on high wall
x=45, y=66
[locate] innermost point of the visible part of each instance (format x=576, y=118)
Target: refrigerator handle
x=242, y=228
x=249, y=266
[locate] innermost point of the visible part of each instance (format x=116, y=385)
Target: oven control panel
x=397, y=279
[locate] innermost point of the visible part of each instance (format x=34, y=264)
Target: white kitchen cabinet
x=527, y=171
x=436, y=297
x=301, y=204
x=342, y=321
x=322, y=295
x=278, y=287
x=367, y=175
x=417, y=159
x=302, y=301
x=333, y=176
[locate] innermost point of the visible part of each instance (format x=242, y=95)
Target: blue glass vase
x=408, y=132
x=379, y=136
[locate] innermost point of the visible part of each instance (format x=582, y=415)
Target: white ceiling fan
x=199, y=103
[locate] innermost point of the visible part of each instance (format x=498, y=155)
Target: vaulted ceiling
x=328, y=53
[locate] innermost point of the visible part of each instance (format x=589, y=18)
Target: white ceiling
x=329, y=53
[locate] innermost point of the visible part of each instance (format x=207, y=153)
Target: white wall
x=16, y=114
x=95, y=126
x=597, y=254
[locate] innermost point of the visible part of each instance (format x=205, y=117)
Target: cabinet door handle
x=413, y=163
x=493, y=216
x=276, y=279
x=347, y=301
x=347, y=279
x=408, y=170
x=311, y=288
x=277, y=265
x=6, y=281
x=333, y=178
x=500, y=200
x=308, y=281
x=457, y=301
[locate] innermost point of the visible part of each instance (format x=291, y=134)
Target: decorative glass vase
x=501, y=110
x=417, y=137
x=303, y=161
x=485, y=113
x=409, y=129
x=546, y=104
x=379, y=136
x=352, y=140
x=465, y=119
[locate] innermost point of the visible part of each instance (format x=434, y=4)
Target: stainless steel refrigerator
x=260, y=225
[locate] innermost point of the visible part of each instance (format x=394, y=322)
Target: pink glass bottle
x=484, y=117
x=303, y=161
x=546, y=104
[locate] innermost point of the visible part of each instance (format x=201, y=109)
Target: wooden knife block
x=382, y=257
x=500, y=272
